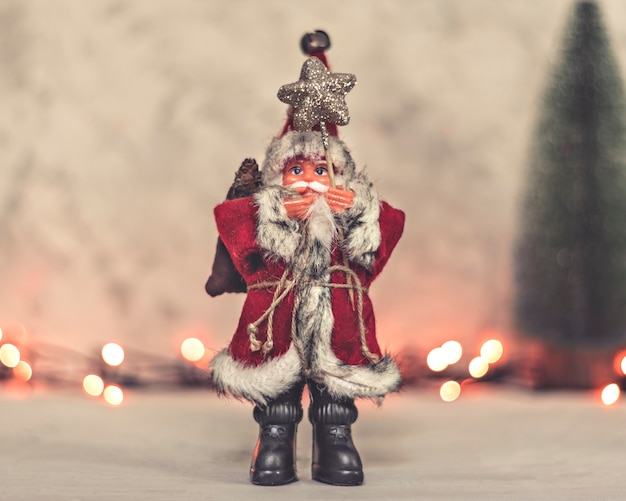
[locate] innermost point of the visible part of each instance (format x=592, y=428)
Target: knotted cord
x=284, y=286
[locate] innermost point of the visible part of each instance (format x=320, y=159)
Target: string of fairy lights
x=106, y=375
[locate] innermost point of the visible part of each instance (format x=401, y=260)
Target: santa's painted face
x=306, y=176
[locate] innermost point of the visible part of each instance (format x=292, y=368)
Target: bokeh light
x=450, y=391
x=192, y=349
x=453, y=351
x=23, y=371
x=93, y=385
x=619, y=362
x=610, y=394
x=478, y=367
x=491, y=351
x=113, y=395
x=113, y=354
x=436, y=360
x=9, y=355
x=0, y=333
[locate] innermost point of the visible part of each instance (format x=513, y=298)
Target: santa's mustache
x=313, y=185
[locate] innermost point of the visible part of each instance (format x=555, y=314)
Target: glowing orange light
x=450, y=391
x=113, y=395
x=478, y=367
x=436, y=360
x=491, y=351
x=453, y=351
x=619, y=362
x=192, y=349
x=93, y=385
x=9, y=355
x=0, y=334
x=610, y=394
x=113, y=354
x=23, y=371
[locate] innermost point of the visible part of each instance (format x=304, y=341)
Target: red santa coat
x=262, y=243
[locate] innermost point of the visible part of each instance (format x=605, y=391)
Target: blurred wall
x=122, y=123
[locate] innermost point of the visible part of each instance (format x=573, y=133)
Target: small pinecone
x=247, y=180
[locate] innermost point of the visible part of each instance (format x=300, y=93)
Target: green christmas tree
x=571, y=250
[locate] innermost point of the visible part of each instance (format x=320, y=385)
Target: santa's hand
x=339, y=199
x=298, y=208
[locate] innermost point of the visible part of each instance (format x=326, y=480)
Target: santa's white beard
x=321, y=222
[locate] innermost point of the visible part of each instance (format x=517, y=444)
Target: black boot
x=335, y=458
x=274, y=457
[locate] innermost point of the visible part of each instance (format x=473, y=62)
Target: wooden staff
x=329, y=160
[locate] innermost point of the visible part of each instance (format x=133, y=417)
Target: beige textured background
x=122, y=122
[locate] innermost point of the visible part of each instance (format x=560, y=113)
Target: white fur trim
x=321, y=223
x=277, y=234
x=256, y=384
x=315, y=325
x=306, y=144
x=362, y=236
x=357, y=381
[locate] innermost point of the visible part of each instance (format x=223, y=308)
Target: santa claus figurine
x=308, y=244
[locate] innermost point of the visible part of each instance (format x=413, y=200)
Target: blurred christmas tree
x=571, y=252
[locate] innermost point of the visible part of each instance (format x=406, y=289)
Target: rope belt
x=283, y=287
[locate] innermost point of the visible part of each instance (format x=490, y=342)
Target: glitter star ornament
x=319, y=96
